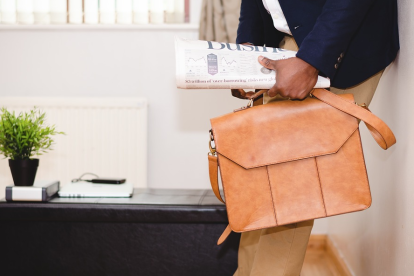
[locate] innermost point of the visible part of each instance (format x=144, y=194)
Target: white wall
x=122, y=62
x=107, y=63
x=379, y=241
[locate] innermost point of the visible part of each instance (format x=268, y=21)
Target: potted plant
x=21, y=138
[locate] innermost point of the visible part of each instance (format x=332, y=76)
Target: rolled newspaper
x=217, y=65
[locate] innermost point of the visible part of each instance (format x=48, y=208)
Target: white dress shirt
x=279, y=20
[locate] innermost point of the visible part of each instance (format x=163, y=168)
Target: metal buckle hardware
x=249, y=104
x=212, y=148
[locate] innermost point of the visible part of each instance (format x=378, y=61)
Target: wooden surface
x=333, y=252
x=323, y=259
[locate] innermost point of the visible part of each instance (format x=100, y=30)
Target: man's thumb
x=266, y=62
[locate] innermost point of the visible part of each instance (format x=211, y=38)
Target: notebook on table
x=85, y=189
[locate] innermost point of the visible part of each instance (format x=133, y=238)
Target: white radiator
x=105, y=136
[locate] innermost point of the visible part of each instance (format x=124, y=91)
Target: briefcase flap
x=282, y=131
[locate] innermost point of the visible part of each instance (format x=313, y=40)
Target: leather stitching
x=271, y=194
x=287, y=223
x=228, y=214
x=271, y=225
x=320, y=185
x=375, y=122
x=293, y=159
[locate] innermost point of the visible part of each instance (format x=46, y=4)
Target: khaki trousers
x=280, y=251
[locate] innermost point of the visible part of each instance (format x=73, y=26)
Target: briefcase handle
x=379, y=130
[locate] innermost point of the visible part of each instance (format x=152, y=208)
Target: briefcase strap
x=213, y=172
x=379, y=130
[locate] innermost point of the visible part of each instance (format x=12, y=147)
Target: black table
x=156, y=232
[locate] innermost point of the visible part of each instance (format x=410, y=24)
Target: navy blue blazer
x=347, y=40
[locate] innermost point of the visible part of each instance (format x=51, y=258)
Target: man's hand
x=241, y=94
x=295, y=78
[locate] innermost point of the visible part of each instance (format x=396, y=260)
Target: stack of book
x=40, y=191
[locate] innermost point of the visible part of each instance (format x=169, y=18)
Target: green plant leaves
x=25, y=135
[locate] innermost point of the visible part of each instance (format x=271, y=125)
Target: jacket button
x=339, y=59
x=336, y=66
x=341, y=55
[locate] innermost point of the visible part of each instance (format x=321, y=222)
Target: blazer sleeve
x=325, y=45
x=250, y=24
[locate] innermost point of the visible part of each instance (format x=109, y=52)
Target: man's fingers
x=267, y=62
x=279, y=90
x=273, y=91
x=302, y=96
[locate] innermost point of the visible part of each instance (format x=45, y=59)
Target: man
x=349, y=41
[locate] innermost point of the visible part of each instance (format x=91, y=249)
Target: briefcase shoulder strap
x=213, y=172
x=379, y=130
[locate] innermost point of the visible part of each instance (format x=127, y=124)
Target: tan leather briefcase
x=292, y=161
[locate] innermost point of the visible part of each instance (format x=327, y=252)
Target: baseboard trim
x=317, y=242
x=323, y=243
x=333, y=251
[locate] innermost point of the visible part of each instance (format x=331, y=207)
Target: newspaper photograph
x=218, y=65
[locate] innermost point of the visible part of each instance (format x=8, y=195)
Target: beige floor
x=319, y=264
x=321, y=259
